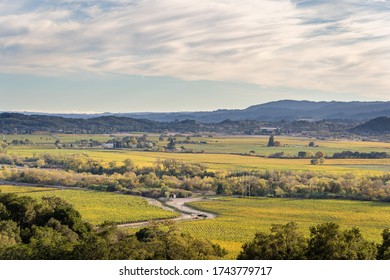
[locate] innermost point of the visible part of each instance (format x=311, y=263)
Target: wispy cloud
x=336, y=46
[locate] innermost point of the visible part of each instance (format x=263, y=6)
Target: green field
x=240, y=218
x=98, y=207
x=222, y=162
x=225, y=144
x=224, y=153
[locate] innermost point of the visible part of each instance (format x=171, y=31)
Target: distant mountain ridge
x=272, y=111
x=16, y=123
x=11, y=123
x=377, y=126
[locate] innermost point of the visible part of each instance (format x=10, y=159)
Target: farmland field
x=222, y=152
x=217, y=162
x=98, y=207
x=240, y=218
x=225, y=144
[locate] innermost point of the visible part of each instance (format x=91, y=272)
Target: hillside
x=377, y=126
x=280, y=110
x=11, y=123
x=290, y=110
x=20, y=123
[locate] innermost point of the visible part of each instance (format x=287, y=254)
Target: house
x=108, y=145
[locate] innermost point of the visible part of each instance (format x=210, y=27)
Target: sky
x=181, y=55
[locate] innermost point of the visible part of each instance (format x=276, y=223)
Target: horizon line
x=32, y=111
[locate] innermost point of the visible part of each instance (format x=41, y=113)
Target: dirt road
x=177, y=205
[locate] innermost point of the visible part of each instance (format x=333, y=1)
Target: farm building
x=108, y=145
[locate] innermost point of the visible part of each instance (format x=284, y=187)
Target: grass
x=225, y=144
x=98, y=207
x=290, y=145
x=48, y=139
x=221, y=153
x=240, y=218
x=216, y=162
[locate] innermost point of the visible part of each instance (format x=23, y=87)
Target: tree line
x=14, y=123
x=183, y=178
x=53, y=230
x=326, y=242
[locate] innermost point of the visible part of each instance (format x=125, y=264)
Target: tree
x=277, y=144
x=302, y=154
x=328, y=242
x=319, y=154
x=3, y=147
x=311, y=144
x=271, y=141
x=163, y=241
x=128, y=165
x=384, y=248
x=319, y=158
x=284, y=242
x=40, y=163
x=9, y=234
x=171, y=143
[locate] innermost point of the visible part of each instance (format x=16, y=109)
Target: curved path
x=176, y=205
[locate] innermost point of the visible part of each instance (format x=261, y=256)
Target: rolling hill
x=377, y=126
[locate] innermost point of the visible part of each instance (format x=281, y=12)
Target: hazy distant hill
x=377, y=126
x=280, y=110
x=20, y=123
x=273, y=111
x=284, y=110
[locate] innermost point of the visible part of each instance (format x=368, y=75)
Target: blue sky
x=178, y=55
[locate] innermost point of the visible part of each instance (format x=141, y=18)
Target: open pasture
x=290, y=146
x=221, y=162
x=224, y=144
x=98, y=207
x=240, y=218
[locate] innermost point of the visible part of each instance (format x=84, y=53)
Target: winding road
x=176, y=205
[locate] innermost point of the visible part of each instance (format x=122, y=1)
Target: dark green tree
x=328, y=242
x=271, y=141
x=384, y=248
x=171, y=143
x=284, y=242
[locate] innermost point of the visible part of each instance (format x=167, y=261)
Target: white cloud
x=335, y=46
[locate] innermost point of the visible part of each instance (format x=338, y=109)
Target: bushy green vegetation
x=239, y=166
x=26, y=124
x=172, y=176
x=239, y=219
x=53, y=229
x=326, y=242
x=99, y=207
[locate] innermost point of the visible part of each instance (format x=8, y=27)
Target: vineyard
x=222, y=162
x=240, y=218
x=98, y=207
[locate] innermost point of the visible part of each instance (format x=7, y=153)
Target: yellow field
x=217, y=162
x=98, y=207
x=240, y=218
